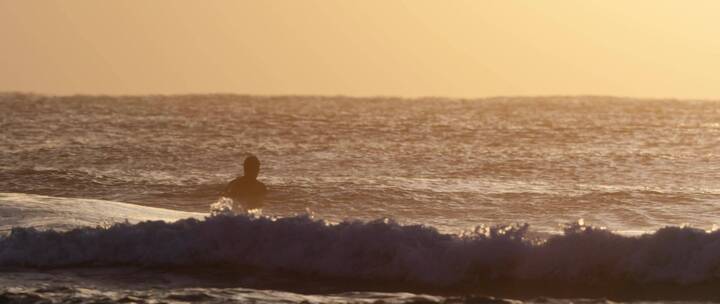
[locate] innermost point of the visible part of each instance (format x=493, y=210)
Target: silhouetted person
x=246, y=189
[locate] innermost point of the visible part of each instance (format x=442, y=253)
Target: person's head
x=251, y=166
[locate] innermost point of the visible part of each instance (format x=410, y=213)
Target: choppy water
x=632, y=166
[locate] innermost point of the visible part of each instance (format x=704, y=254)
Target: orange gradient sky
x=369, y=47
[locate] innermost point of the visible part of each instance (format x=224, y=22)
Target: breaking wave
x=382, y=251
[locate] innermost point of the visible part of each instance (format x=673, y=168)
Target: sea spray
x=223, y=206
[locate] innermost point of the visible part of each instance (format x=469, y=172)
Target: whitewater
x=534, y=199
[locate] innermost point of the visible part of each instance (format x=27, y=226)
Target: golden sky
x=643, y=48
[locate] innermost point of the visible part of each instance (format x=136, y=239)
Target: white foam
x=381, y=250
x=48, y=212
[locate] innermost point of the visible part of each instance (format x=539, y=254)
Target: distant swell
x=581, y=260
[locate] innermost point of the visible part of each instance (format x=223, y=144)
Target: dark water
x=632, y=166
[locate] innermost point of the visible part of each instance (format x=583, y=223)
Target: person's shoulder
x=241, y=179
x=237, y=182
x=260, y=186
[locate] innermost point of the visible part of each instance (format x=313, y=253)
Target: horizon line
x=348, y=96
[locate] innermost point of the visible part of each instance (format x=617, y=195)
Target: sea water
x=107, y=198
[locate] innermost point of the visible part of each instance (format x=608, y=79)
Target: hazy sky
x=475, y=48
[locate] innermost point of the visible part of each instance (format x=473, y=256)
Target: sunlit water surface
x=629, y=165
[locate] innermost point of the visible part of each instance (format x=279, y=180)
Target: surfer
x=246, y=189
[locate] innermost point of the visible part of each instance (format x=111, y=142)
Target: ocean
x=106, y=199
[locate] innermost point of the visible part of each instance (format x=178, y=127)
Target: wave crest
x=381, y=250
